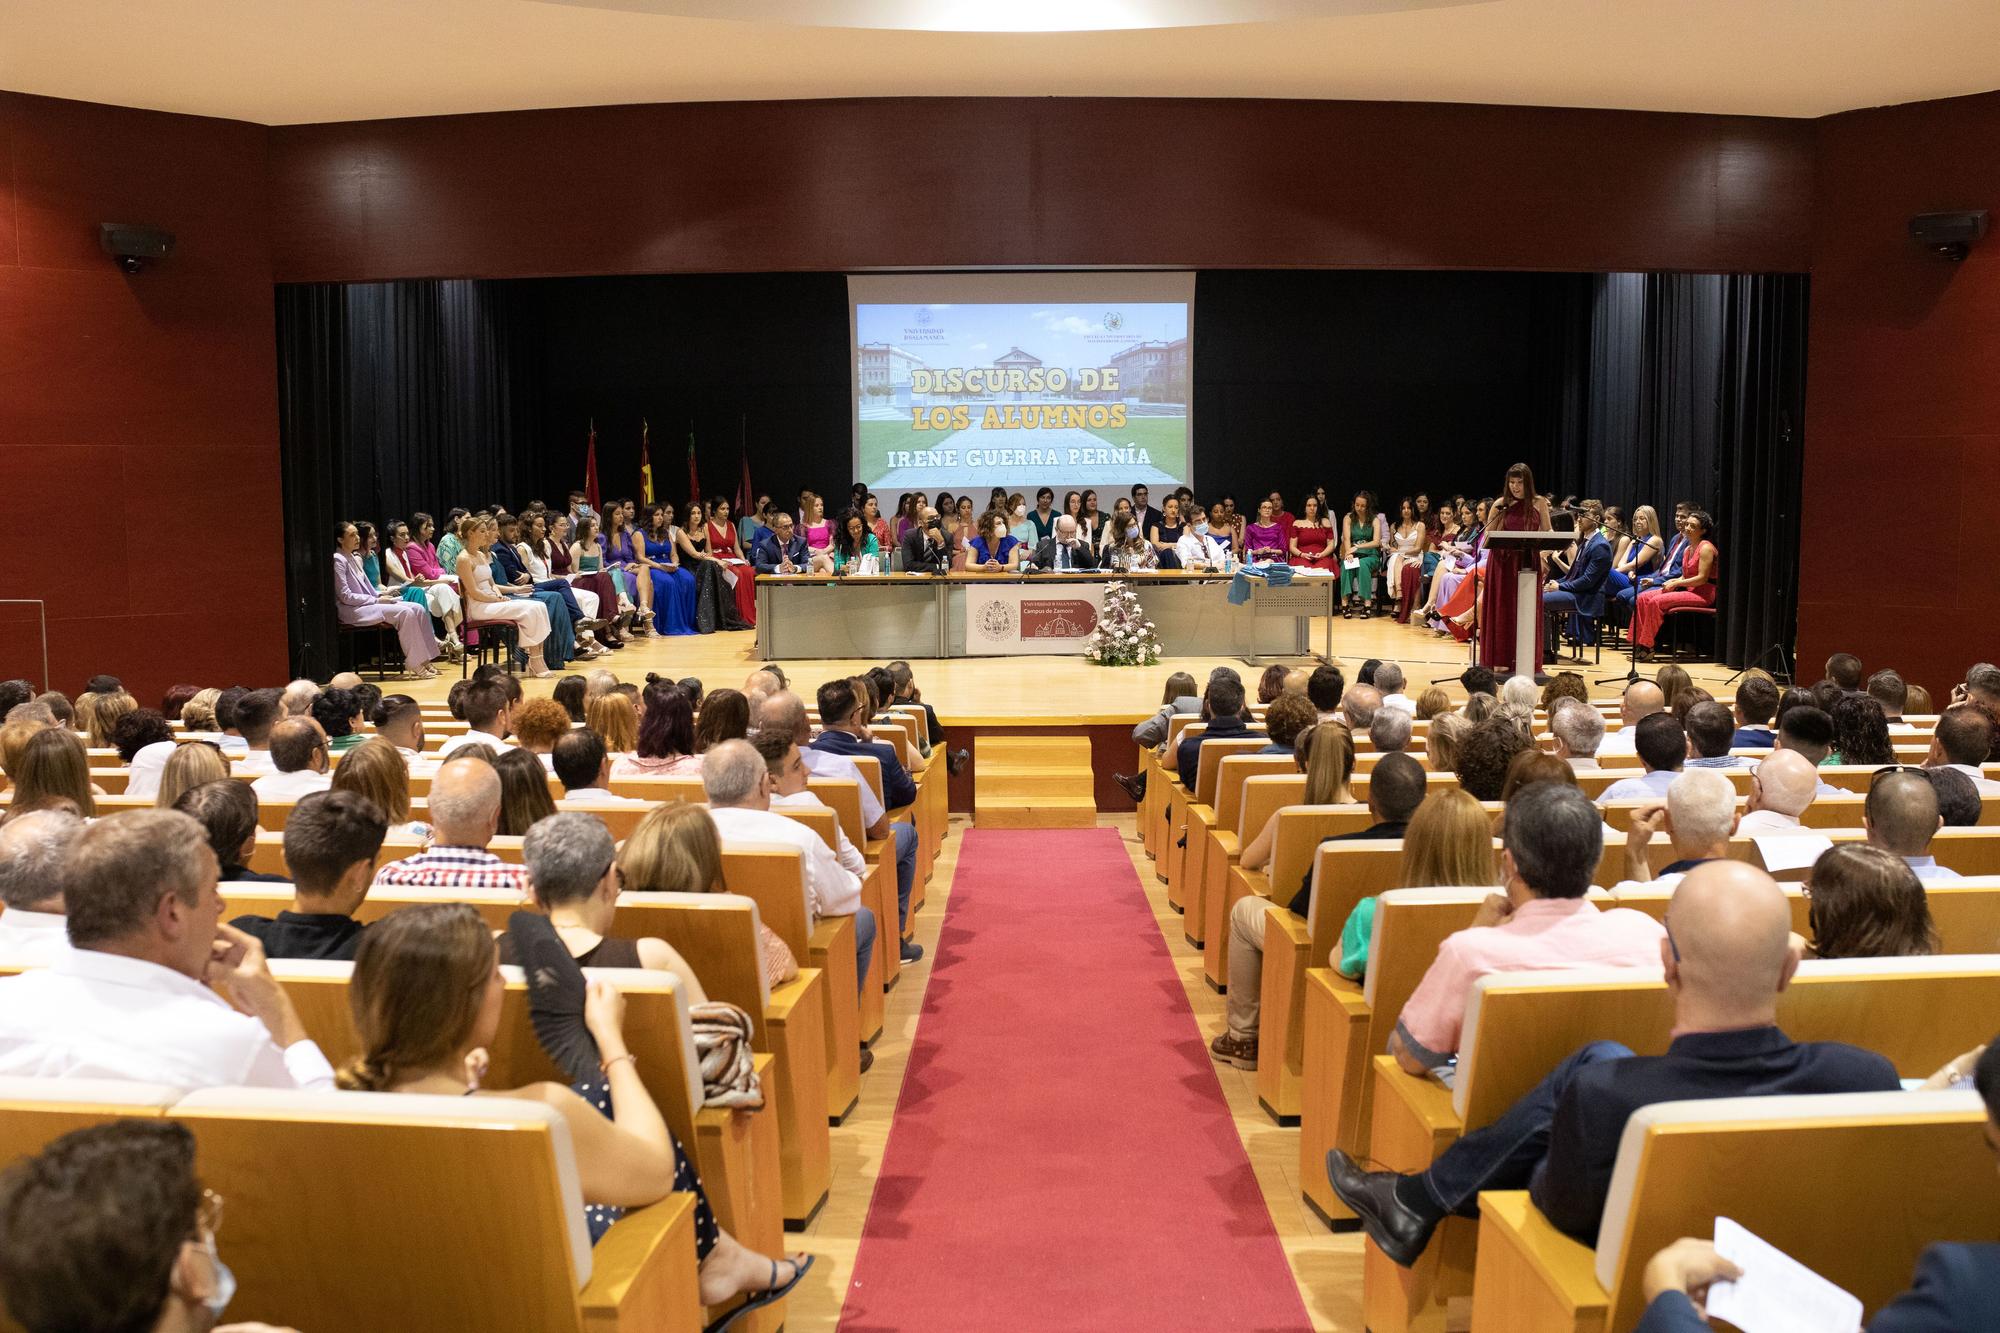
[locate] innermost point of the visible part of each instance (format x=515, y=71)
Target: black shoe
x=867, y=1059
x=1133, y=783
x=955, y=761
x=1397, y=1230
x=912, y=952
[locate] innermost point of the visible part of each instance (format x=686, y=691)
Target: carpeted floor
x=1062, y=1157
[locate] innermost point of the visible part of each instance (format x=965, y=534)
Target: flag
x=745, y=497
x=645, y=466
x=694, y=482
x=590, y=469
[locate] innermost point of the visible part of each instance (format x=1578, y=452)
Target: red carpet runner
x=1062, y=1157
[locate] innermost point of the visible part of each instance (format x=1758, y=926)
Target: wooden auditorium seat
x=1203, y=819
x=1295, y=852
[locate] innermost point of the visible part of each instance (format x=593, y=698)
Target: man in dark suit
x=1144, y=517
x=1065, y=549
x=843, y=720
x=1727, y=953
x=781, y=550
x=925, y=548
x=1954, y=1282
x=1395, y=790
x=1224, y=706
x=1581, y=591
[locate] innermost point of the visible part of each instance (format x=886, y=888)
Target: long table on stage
x=891, y=616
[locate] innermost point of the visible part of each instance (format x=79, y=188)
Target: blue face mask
x=225, y=1284
x=1201, y=529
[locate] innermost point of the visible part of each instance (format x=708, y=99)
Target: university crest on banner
x=1006, y=619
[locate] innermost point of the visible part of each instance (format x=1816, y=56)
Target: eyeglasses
x=208, y=1215
x=1887, y=769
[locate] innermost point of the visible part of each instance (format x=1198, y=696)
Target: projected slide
x=1070, y=380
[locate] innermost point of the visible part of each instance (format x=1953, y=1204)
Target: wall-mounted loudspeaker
x=134, y=246
x=1949, y=235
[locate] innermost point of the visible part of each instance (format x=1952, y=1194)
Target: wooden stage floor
x=1050, y=690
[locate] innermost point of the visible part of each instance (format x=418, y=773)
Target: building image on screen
x=955, y=395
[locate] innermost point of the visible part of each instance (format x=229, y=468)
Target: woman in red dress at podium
x=1519, y=509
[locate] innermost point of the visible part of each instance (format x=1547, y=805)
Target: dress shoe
x=1396, y=1230
x=867, y=1059
x=956, y=760
x=1133, y=783
x=912, y=952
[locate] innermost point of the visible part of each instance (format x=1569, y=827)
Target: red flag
x=590, y=469
x=645, y=465
x=745, y=497
x=694, y=482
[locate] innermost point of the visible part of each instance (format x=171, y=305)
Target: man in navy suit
x=781, y=550
x=1728, y=952
x=1957, y=1286
x=843, y=721
x=1581, y=591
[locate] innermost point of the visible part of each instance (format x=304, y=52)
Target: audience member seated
x=144, y=742
x=1325, y=754
x=1542, y=919
x=524, y=792
x=145, y=992
x=339, y=714
x=843, y=722
x=676, y=849
x=583, y=766
x=738, y=786
x=1324, y=687
x=1578, y=730
x=1441, y=744
x=1484, y=755
x=251, y=715
x=1448, y=843
x=725, y=716
x=1860, y=732
x=375, y=770
x=538, y=724
x=1358, y=706
x=615, y=718
x=14, y=693
x=1527, y=768
x=399, y=720
x=1863, y=902
x=107, y=1228
x=569, y=693
x=489, y=718
x=98, y=711
x=1641, y=700
x=1223, y=707
x=1756, y=704
x=1663, y=748
x=1807, y=730
x=34, y=851
x=1901, y=817
x=331, y=842
x=299, y=759
x=665, y=745
x=1065, y=549
x=1389, y=679
x=465, y=814
x=1288, y=717
x=1729, y=955
x=1699, y=818
x=1959, y=805
x=1390, y=731
x=1782, y=788
x=52, y=768
x=1888, y=689
x=1711, y=729
x=1963, y=741
x=1579, y=594
x=228, y=811
x=426, y=1001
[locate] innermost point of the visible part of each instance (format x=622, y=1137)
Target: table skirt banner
x=1015, y=619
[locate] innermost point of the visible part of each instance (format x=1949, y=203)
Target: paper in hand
x=1777, y=1293
x=1790, y=851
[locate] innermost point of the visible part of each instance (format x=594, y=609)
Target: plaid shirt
x=453, y=868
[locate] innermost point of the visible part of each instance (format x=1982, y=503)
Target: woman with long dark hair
x=673, y=586
x=1519, y=508
x=665, y=747
x=725, y=550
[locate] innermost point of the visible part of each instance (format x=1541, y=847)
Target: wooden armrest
x=643, y=1273
x=1231, y=845
x=1283, y=927
x=1412, y=1120
x=1256, y=881
x=1530, y=1275
x=787, y=997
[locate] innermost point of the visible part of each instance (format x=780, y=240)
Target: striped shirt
x=453, y=868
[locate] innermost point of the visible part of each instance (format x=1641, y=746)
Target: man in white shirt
x=255, y=714
x=1699, y=816
x=1663, y=750
x=789, y=792
x=1782, y=788
x=1578, y=730
x=1390, y=680
x=1964, y=740
x=1901, y=816
x=1642, y=699
x=132, y=998
x=584, y=767
x=301, y=763
x=784, y=713
x=489, y=716
x=1196, y=548
x=738, y=786
x=33, y=851
x=1711, y=728
x=399, y=720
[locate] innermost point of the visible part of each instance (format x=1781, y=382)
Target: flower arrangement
x=1123, y=637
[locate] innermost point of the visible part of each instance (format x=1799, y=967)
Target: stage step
x=1032, y=782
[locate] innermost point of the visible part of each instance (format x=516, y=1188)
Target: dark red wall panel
x=1903, y=398
x=138, y=418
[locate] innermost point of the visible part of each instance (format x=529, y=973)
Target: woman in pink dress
x=1693, y=586
x=1313, y=546
x=818, y=533
x=1519, y=509
x=722, y=546
x=1264, y=539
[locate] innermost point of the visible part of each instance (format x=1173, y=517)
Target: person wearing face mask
x=108, y=1228
x=1197, y=547
x=926, y=548
x=1065, y=549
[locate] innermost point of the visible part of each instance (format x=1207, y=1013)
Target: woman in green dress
x=1364, y=541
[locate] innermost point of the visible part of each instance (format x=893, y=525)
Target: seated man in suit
x=925, y=547
x=1223, y=707
x=1581, y=591
x=1954, y=1282
x=843, y=721
x=1065, y=548
x=781, y=550
x=1728, y=952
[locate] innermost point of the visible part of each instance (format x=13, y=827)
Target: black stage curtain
x=393, y=398
x=1688, y=386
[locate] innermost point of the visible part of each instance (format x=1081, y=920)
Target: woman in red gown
x=722, y=546
x=1519, y=509
x=1313, y=543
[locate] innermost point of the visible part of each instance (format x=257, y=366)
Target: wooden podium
x=1527, y=626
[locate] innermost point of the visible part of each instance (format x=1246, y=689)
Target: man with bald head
x=465, y=814
x=926, y=550
x=1065, y=549
x=1901, y=816
x=1358, y=707
x=1727, y=954
x=1781, y=789
x=1642, y=699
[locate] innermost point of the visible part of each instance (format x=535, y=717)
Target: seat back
x=1293, y=847
x=1966, y=913
x=1343, y=874
x=819, y=819
x=1409, y=926
x=1208, y=762
x=651, y=787
x=717, y=933
x=1810, y=1175
x=772, y=875
x=1263, y=796
x=34, y=1112
x=843, y=796
x=1234, y=773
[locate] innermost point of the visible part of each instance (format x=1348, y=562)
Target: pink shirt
x=1542, y=933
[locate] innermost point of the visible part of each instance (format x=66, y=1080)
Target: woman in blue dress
x=994, y=549
x=673, y=587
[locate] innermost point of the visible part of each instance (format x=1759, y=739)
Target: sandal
x=774, y=1292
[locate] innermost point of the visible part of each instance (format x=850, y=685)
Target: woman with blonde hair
x=198, y=713
x=1441, y=746
x=377, y=770
x=190, y=765
x=1432, y=703
x=614, y=719
x=1448, y=843
x=1325, y=754
x=52, y=766
x=426, y=1000
x=97, y=714
x=676, y=849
